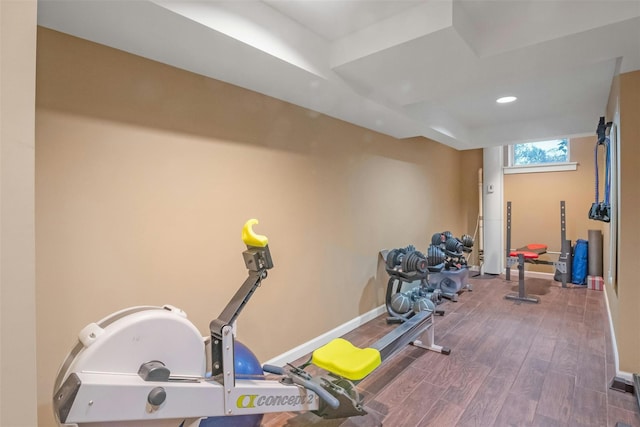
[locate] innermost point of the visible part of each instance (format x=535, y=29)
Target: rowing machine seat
x=342, y=358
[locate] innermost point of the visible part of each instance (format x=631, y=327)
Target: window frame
x=511, y=168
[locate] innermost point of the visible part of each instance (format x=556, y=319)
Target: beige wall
x=625, y=304
x=536, y=200
x=17, y=246
x=145, y=175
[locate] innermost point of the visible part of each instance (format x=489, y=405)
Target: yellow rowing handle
x=252, y=239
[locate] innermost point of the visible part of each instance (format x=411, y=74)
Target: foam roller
x=595, y=253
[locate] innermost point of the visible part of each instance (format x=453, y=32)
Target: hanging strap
x=597, y=173
x=607, y=173
x=605, y=141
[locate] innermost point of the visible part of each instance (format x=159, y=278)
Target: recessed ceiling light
x=506, y=99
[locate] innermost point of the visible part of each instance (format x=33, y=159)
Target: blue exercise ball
x=246, y=363
x=233, y=421
x=246, y=366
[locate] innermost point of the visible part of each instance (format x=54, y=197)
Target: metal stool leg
x=522, y=294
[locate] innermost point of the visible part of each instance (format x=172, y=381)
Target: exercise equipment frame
x=520, y=258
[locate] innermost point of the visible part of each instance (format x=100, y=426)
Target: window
x=540, y=156
x=541, y=152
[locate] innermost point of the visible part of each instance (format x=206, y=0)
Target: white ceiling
x=405, y=68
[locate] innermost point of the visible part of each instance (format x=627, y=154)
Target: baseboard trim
x=614, y=343
x=321, y=340
x=636, y=384
x=627, y=377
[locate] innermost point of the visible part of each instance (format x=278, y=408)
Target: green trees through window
x=541, y=152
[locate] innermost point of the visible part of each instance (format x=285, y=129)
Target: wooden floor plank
x=542, y=346
x=615, y=415
x=594, y=342
x=513, y=355
x=463, y=392
x=487, y=402
x=557, y=396
x=398, y=390
x=565, y=358
x=592, y=372
x=442, y=413
x=416, y=405
x=518, y=410
x=385, y=374
x=621, y=400
x=589, y=408
x=530, y=379
x=542, y=421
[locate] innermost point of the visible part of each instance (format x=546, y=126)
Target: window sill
x=557, y=167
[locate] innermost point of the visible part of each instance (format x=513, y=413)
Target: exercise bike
x=148, y=365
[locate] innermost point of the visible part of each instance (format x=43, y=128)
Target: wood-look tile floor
x=511, y=364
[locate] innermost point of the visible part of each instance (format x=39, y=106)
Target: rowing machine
x=146, y=366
